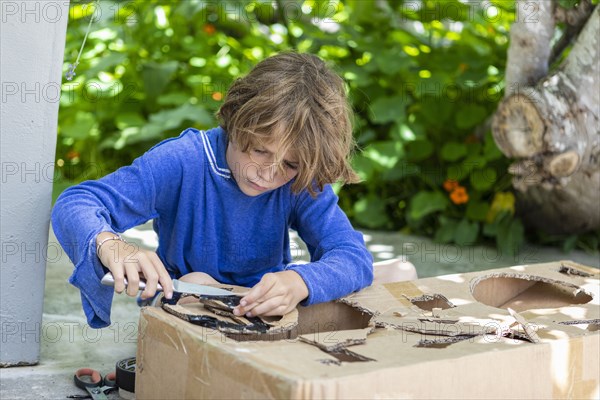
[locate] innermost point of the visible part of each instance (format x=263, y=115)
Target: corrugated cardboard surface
x=179, y=360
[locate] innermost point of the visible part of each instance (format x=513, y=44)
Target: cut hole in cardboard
x=524, y=292
x=428, y=302
x=318, y=318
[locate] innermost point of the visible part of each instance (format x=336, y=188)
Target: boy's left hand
x=277, y=293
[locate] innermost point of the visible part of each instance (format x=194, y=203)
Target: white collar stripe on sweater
x=224, y=172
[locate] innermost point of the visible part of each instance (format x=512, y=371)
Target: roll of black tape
x=126, y=374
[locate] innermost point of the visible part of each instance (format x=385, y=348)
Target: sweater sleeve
x=340, y=262
x=114, y=203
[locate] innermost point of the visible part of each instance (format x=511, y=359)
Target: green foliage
x=423, y=82
x=428, y=79
x=568, y=3
x=425, y=203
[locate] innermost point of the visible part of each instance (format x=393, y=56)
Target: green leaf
x=477, y=210
x=80, y=127
x=510, y=236
x=173, y=99
x=105, y=64
x=401, y=170
x=370, y=212
x=453, y=151
x=436, y=112
x=425, y=203
x=569, y=243
x=446, y=231
x=160, y=123
x=127, y=119
x=385, y=154
x=490, y=230
x=157, y=76
x=568, y=4
x=362, y=10
x=366, y=136
x=388, y=109
x=419, y=150
x=483, y=179
x=127, y=136
x=173, y=118
x=473, y=149
x=470, y=115
x=490, y=149
x=462, y=170
x=466, y=232
x=390, y=63
x=363, y=166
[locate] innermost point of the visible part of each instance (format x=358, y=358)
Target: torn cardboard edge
x=429, y=326
x=446, y=329
x=569, y=270
x=521, y=291
x=581, y=322
x=216, y=312
x=336, y=344
x=593, y=325
x=449, y=329
x=525, y=277
x=346, y=355
x=412, y=318
x=336, y=341
x=442, y=343
x=527, y=327
x=431, y=302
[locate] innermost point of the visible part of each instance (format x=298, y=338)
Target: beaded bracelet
x=116, y=237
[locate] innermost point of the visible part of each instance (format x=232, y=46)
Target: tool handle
x=87, y=377
x=109, y=280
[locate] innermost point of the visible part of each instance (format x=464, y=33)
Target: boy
x=222, y=201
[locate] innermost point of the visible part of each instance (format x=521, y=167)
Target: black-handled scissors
x=90, y=380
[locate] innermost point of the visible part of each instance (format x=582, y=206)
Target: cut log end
x=518, y=127
x=563, y=165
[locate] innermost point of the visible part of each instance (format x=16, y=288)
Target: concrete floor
x=67, y=342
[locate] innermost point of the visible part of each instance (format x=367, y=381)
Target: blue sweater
x=206, y=223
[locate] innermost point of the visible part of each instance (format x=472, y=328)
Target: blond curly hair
x=296, y=100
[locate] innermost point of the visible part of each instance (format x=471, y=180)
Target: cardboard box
x=450, y=336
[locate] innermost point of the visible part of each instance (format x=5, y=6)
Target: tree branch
x=575, y=19
x=529, y=50
x=576, y=15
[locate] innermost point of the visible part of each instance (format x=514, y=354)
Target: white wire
x=85, y=37
x=71, y=72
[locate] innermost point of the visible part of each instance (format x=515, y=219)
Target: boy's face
x=256, y=170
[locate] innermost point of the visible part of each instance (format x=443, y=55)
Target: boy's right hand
x=127, y=260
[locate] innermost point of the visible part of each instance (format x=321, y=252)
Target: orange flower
x=450, y=185
x=209, y=29
x=459, y=195
x=217, y=96
x=472, y=139
x=72, y=154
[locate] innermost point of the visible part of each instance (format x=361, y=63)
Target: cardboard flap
x=217, y=313
x=337, y=341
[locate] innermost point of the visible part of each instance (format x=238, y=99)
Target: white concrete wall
x=32, y=40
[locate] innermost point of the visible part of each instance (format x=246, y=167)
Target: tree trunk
x=551, y=123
